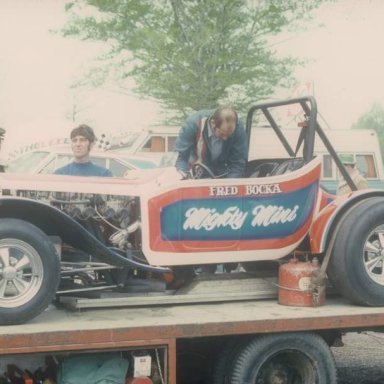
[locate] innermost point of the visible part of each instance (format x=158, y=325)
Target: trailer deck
x=58, y=329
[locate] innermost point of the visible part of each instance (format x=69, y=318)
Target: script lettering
x=272, y=214
x=209, y=218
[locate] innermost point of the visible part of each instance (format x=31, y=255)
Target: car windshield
x=27, y=162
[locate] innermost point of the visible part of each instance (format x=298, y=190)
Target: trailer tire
x=29, y=271
x=297, y=358
x=222, y=367
x=356, y=266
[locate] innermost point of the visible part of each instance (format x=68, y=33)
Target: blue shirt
x=83, y=169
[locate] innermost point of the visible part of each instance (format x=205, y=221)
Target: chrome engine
x=118, y=216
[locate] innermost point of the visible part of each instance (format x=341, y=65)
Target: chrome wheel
x=374, y=255
x=21, y=273
x=356, y=266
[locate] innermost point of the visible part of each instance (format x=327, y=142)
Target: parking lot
x=360, y=360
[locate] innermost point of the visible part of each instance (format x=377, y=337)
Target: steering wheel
x=198, y=169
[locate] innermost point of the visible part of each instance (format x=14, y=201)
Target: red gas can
x=295, y=284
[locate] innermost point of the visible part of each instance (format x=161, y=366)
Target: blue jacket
x=233, y=157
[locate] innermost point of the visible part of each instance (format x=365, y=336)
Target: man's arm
x=185, y=143
x=361, y=182
x=238, y=155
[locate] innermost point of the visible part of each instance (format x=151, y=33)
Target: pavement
x=360, y=360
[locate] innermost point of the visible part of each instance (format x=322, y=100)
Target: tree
x=373, y=119
x=190, y=54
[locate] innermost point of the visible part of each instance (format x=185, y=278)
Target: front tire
x=356, y=267
x=29, y=271
x=290, y=358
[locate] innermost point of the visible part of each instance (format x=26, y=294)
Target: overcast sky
x=37, y=68
x=346, y=59
x=345, y=67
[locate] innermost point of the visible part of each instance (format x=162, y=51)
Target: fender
x=52, y=221
x=329, y=217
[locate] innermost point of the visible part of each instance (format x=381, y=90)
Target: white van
x=362, y=143
x=153, y=142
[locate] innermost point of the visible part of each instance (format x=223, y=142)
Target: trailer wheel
x=289, y=358
x=222, y=367
x=29, y=271
x=356, y=267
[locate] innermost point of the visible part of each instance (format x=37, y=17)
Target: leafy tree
x=373, y=119
x=190, y=54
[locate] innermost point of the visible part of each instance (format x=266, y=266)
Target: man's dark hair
x=84, y=130
x=227, y=114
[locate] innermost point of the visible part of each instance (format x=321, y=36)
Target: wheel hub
x=276, y=374
x=278, y=378
x=9, y=273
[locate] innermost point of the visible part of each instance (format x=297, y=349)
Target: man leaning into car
x=215, y=138
x=82, y=141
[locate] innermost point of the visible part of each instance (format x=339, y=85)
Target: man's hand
x=184, y=175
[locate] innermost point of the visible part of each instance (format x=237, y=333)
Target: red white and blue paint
x=228, y=220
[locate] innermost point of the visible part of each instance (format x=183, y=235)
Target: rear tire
x=292, y=358
x=356, y=267
x=29, y=271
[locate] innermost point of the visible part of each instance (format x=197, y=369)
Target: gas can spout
x=317, y=284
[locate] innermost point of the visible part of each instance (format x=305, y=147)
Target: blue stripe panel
x=238, y=218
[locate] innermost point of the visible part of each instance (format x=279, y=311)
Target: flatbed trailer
x=173, y=329
x=65, y=236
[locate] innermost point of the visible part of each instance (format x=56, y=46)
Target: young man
x=349, y=163
x=215, y=138
x=82, y=141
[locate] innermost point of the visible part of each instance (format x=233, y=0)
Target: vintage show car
x=61, y=235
